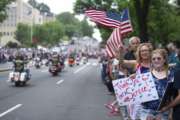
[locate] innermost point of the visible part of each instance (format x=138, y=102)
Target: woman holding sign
x=141, y=65
x=161, y=75
x=143, y=58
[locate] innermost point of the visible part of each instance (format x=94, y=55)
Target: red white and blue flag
x=109, y=19
x=120, y=22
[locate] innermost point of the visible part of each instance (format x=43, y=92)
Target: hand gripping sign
x=138, y=90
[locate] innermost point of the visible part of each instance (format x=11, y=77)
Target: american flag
x=120, y=22
x=125, y=26
x=109, y=19
x=114, y=42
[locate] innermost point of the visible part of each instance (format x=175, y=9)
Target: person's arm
x=128, y=63
x=172, y=104
x=110, y=73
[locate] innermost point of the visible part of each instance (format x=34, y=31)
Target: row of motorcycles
x=72, y=61
x=20, y=78
x=54, y=69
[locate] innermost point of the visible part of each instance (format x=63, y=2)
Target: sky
x=59, y=6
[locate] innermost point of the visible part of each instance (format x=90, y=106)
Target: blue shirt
x=160, y=87
x=144, y=69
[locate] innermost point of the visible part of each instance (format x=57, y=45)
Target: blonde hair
x=164, y=54
x=138, y=56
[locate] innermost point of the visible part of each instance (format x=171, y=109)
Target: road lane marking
x=44, y=70
x=59, y=82
x=78, y=70
x=10, y=110
x=94, y=64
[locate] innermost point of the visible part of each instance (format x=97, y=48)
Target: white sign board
x=138, y=90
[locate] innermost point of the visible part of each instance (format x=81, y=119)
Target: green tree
x=141, y=8
x=67, y=18
x=154, y=20
x=70, y=23
x=50, y=33
x=82, y=5
x=178, y=2
x=86, y=29
x=3, y=6
x=12, y=45
x=23, y=34
x=42, y=7
x=46, y=34
x=33, y=3
x=74, y=27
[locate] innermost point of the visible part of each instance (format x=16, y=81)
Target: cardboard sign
x=138, y=90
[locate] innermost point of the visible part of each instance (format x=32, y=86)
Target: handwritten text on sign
x=138, y=90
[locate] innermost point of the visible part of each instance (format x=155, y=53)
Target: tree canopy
x=74, y=27
x=3, y=6
x=154, y=21
x=42, y=7
x=51, y=33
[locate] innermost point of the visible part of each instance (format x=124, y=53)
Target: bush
x=12, y=45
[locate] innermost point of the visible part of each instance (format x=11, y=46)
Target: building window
x=4, y=33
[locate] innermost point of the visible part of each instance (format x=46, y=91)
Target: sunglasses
x=156, y=58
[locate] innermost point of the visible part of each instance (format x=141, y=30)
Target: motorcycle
x=19, y=78
x=85, y=60
x=37, y=63
x=78, y=61
x=45, y=62
x=71, y=62
x=54, y=70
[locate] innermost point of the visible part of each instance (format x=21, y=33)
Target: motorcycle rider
x=19, y=65
x=38, y=61
x=55, y=60
x=62, y=59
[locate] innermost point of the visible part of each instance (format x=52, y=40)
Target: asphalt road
x=76, y=94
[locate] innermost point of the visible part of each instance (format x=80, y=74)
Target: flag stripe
x=101, y=18
x=121, y=23
x=109, y=50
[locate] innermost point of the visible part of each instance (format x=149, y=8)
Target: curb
x=6, y=69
